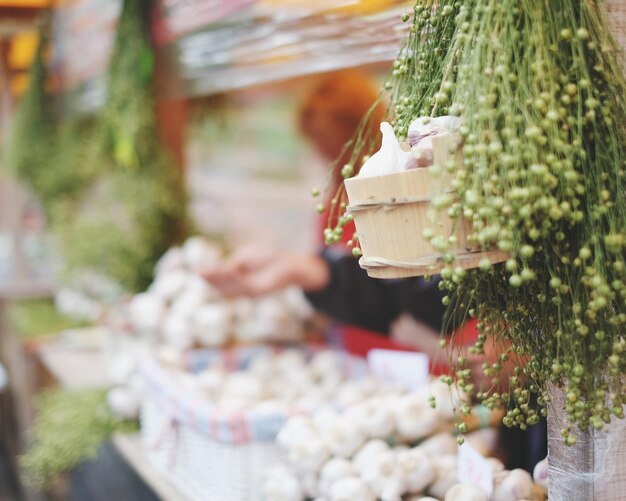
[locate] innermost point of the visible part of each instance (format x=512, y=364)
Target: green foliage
x=35, y=318
x=31, y=143
x=540, y=94
x=136, y=208
x=125, y=201
x=69, y=429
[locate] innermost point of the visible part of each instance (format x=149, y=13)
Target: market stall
x=482, y=192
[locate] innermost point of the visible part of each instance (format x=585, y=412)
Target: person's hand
x=410, y=332
x=256, y=271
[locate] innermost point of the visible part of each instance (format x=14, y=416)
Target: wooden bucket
x=391, y=212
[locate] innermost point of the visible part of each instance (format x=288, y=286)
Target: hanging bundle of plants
x=31, y=141
x=69, y=429
x=539, y=94
x=135, y=205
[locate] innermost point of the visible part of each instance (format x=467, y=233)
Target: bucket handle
x=388, y=203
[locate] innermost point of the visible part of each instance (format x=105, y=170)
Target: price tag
x=473, y=468
x=407, y=368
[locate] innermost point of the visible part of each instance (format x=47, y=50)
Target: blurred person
x=409, y=309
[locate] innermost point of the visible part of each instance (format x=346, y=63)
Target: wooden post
x=592, y=470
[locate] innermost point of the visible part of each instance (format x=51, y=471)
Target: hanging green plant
x=134, y=206
x=541, y=97
x=31, y=142
x=69, y=429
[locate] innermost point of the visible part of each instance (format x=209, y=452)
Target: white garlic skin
x=177, y=332
x=211, y=324
x=308, y=455
x=173, y=259
x=389, y=158
x=197, y=252
x=382, y=473
x=466, y=492
x=445, y=467
x=341, y=437
x=124, y=403
x=540, y=473
x=333, y=470
x=415, y=418
x=146, y=312
x=295, y=429
x=513, y=485
x=282, y=486
x=121, y=367
x=169, y=285
x=416, y=468
x=374, y=417
x=350, y=489
x=439, y=444
x=366, y=454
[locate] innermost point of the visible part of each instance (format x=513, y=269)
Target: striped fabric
x=184, y=408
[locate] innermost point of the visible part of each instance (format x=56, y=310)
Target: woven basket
x=208, y=455
x=391, y=212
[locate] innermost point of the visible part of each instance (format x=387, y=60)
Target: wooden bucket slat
x=391, y=212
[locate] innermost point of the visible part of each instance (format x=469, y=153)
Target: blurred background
x=125, y=127
x=139, y=141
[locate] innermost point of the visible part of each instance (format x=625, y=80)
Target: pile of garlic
x=345, y=456
x=289, y=381
x=181, y=309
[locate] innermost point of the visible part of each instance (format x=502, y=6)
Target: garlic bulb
x=350, y=489
x=282, y=485
x=295, y=429
x=389, y=158
x=197, y=252
x=332, y=471
x=374, y=417
x=308, y=455
x=176, y=332
x=416, y=469
x=121, y=367
x=540, y=473
x=366, y=454
x=243, y=385
x=341, y=437
x=146, y=311
x=169, y=285
x=187, y=303
x=512, y=485
x=382, y=473
x=309, y=483
x=124, y=403
x=422, y=130
x=170, y=356
x=419, y=497
x=496, y=465
x=439, y=444
x=211, y=323
x=445, y=474
x=484, y=441
x=466, y=492
x=172, y=260
x=211, y=381
x=326, y=364
x=415, y=418
x=290, y=361
x=447, y=398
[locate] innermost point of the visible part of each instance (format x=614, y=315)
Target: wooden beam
x=19, y=13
